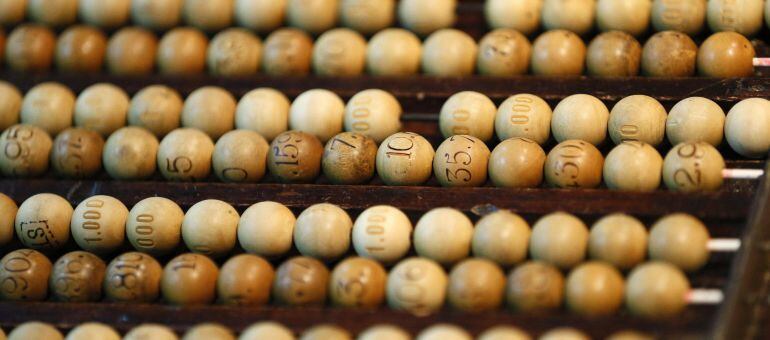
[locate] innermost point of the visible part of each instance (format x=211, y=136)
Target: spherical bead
x=209, y=109
x=614, y=54
x=42, y=222
x=26, y=149
x=726, y=54
x=240, y=156
x=185, y=155
x=267, y=330
x=30, y=48
x=520, y=15
x=210, y=227
x=632, y=17
x=633, y=166
x=558, y=53
x=502, y=237
x=101, y=108
x=574, y=164
x=12, y=11
x=208, y=15
x=426, y=16
x=322, y=231
x=81, y=49
x=24, y=273
x=594, y=289
x=572, y=15
x=56, y=13
x=314, y=16
x=156, y=14
x=696, y=119
x=154, y=225
x=77, y=153
x=686, y=16
x=131, y=51
x=517, y=163
x=681, y=240
x=104, y=13
x=449, y=53
x=8, y=210
x=394, y=52
x=260, y=15
x=504, y=52
x=77, y=277
x=35, y=330
x=207, y=331
x=638, y=118
x=325, y=332
x=535, y=287
x=287, y=51
x=129, y=154
x=266, y=229
x=93, y=330
x=468, y=113
x=656, y=290
x=157, y=108
x=10, y=104
x=560, y=239
x=669, y=54
x=150, y=331
x=234, y=52
x=374, y=113
x=319, y=112
x=349, y=158
x=504, y=333
x=339, y=52
x=295, y=157
x=744, y=17
x=405, y=158
x=245, y=280
x=133, y=277
x=182, y=51
x=692, y=167
x=49, y=106
x=357, y=282
x=461, y=161
x=564, y=333
x=444, y=331
x=382, y=233
x=476, y=285
x=99, y=223
x=582, y=117
x=526, y=116
x=417, y=285
x=745, y=127
x=263, y=110
x=451, y=227
x=189, y=279
x=367, y=17
x=384, y=332
x=300, y=281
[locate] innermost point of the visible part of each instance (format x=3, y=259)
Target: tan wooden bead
x=77, y=277
x=265, y=111
x=245, y=280
x=210, y=109
x=696, y=119
x=468, y=113
x=449, y=53
x=182, y=51
x=425, y=17
x=326, y=332
x=632, y=17
x=26, y=150
x=318, y=112
x=99, y=224
x=571, y=15
x=240, y=156
x=476, y=285
x=633, y=166
x=234, y=52
x=517, y=163
x=266, y=229
x=260, y=15
x=10, y=104
x=564, y=333
x=744, y=17
x=349, y=158
x=405, y=158
x=574, y=164
x=210, y=227
x=382, y=233
x=614, y=54
x=444, y=331
x=443, y=235
x=129, y=153
x=93, y=330
x=504, y=333
x=394, y=52
x=81, y=49
x=384, y=332
x=681, y=240
x=358, y=282
x=322, y=231
x=520, y=15
x=102, y=108
x=558, y=53
x=339, y=52
x=207, y=331
x=686, y=16
x=150, y=331
x=8, y=210
x=313, y=16
x=374, y=113
x=154, y=226
x=49, y=106
x=267, y=330
x=189, y=279
x=502, y=237
x=594, y=289
x=745, y=126
x=301, y=281
x=461, y=161
x=295, y=157
x=582, y=117
x=417, y=285
x=524, y=115
x=55, y=13
x=208, y=15
x=133, y=277
x=286, y=52
x=618, y=239
x=692, y=167
x=185, y=155
x=35, y=330
x=504, y=52
x=156, y=14
x=367, y=17
x=131, y=51
x=12, y=11
x=42, y=222
x=560, y=239
x=157, y=108
x=24, y=273
x=104, y=13
x=669, y=54
x=726, y=54
x=656, y=290
x=638, y=118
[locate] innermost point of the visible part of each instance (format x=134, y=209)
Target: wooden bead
x=745, y=126
x=189, y=279
x=266, y=229
x=614, y=54
x=182, y=51
x=638, y=118
x=185, y=155
x=157, y=108
x=131, y=51
x=374, y=113
x=367, y=17
x=571, y=15
x=443, y=235
x=154, y=225
x=632, y=17
x=726, y=54
x=560, y=239
x=382, y=233
x=287, y=51
x=24, y=274
x=417, y=285
x=686, y=16
x=526, y=116
x=449, y=53
x=56, y=13
x=210, y=109
x=8, y=210
x=150, y=331
x=582, y=117
x=133, y=277
x=669, y=54
x=504, y=333
x=558, y=53
x=93, y=330
x=326, y=332
x=42, y=222
x=384, y=332
x=574, y=164
x=102, y=108
x=504, y=52
x=295, y=157
x=12, y=11
x=357, y=282
x=476, y=285
x=444, y=331
x=502, y=237
x=564, y=333
x=245, y=280
x=339, y=52
x=35, y=330
x=108, y=14
x=240, y=156
x=99, y=223
x=77, y=277
x=81, y=49
x=207, y=331
x=517, y=163
x=681, y=240
x=349, y=158
x=394, y=52
x=210, y=227
x=314, y=16
x=301, y=281
x=692, y=167
x=129, y=154
x=156, y=14
x=234, y=52
x=208, y=15
x=49, y=106
x=744, y=17
x=318, y=112
x=267, y=330
x=594, y=289
x=263, y=110
x=322, y=231
x=26, y=150
x=77, y=153
x=695, y=119
x=10, y=104
x=405, y=158
x=260, y=15
x=656, y=290
x=468, y=113
x=425, y=17
x=633, y=166
x=461, y=161
x=520, y=15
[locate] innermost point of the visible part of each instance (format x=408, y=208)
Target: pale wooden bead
x=520, y=15
x=558, y=53
x=287, y=51
x=150, y=331
x=686, y=16
x=240, y=156
x=300, y=281
x=318, y=112
x=267, y=330
x=669, y=54
x=504, y=52
x=444, y=331
x=12, y=11
x=131, y=51
x=405, y=158
x=49, y=106
x=461, y=161
x=726, y=55
x=234, y=52
x=156, y=14
x=93, y=330
x=129, y=153
x=209, y=331
x=295, y=157
x=614, y=54
x=189, y=279
x=394, y=52
x=35, y=330
x=25, y=151
x=10, y=104
x=695, y=119
x=560, y=239
x=339, y=52
x=185, y=155
x=564, y=333
x=517, y=163
x=266, y=229
x=210, y=227
x=656, y=290
x=374, y=113
x=574, y=164
x=99, y=224
x=526, y=116
x=357, y=282
x=245, y=280
x=692, y=167
x=263, y=110
x=157, y=108
x=260, y=15
x=443, y=235
x=367, y=17
x=468, y=113
x=582, y=117
x=681, y=240
x=104, y=13
x=417, y=285
x=572, y=15
x=102, y=108
x=25, y=273
x=313, y=16
x=743, y=16
x=325, y=332
x=638, y=118
x=53, y=12
x=504, y=333
x=182, y=51
x=594, y=289
x=210, y=109
x=8, y=210
x=382, y=233
x=77, y=277
x=208, y=15
x=81, y=49
x=502, y=237
x=476, y=285
x=427, y=16
x=632, y=17
x=42, y=222
x=133, y=277
x=349, y=158
x=746, y=125
x=322, y=231
x=633, y=166
x=154, y=225
x=618, y=239
x=384, y=332
x=448, y=53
